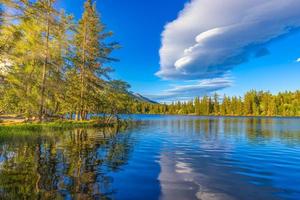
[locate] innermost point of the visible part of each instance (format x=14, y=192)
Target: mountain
x=140, y=97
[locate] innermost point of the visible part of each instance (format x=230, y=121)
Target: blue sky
x=140, y=27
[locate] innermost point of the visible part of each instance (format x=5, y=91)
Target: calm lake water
x=159, y=157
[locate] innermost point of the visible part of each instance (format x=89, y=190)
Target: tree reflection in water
x=56, y=165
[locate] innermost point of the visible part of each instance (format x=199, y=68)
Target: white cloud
x=298, y=60
x=210, y=37
x=190, y=90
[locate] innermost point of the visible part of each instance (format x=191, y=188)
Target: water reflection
x=229, y=158
x=62, y=165
x=159, y=157
x=250, y=127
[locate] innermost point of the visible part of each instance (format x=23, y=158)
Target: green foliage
x=252, y=104
x=47, y=126
x=52, y=65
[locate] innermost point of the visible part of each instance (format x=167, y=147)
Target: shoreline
x=64, y=124
x=233, y=116
x=15, y=121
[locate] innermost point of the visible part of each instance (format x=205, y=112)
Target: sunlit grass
x=32, y=126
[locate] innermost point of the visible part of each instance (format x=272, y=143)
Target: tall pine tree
x=91, y=53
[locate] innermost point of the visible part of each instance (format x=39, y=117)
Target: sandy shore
x=7, y=119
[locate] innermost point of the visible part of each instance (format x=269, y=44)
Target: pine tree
x=256, y=103
x=216, y=104
x=35, y=56
x=48, y=20
x=197, y=106
x=91, y=52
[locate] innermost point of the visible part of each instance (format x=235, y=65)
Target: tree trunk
x=43, y=86
x=77, y=115
x=82, y=73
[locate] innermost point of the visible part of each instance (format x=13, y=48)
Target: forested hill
x=141, y=98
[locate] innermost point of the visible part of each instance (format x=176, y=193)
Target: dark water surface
x=160, y=157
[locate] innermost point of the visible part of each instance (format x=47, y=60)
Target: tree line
x=51, y=64
x=253, y=103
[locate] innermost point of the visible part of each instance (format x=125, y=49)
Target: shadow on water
x=62, y=165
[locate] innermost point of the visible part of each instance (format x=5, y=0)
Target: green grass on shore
x=54, y=125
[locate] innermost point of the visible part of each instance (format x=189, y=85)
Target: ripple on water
x=258, y=166
x=166, y=157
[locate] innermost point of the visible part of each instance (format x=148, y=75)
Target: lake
x=157, y=157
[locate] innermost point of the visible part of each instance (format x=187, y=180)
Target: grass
x=52, y=125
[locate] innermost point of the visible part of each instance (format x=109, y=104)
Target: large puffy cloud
x=209, y=37
x=190, y=90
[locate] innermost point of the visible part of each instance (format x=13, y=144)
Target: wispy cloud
x=189, y=90
x=210, y=37
x=298, y=60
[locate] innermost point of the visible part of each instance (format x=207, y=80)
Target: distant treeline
x=51, y=64
x=253, y=103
